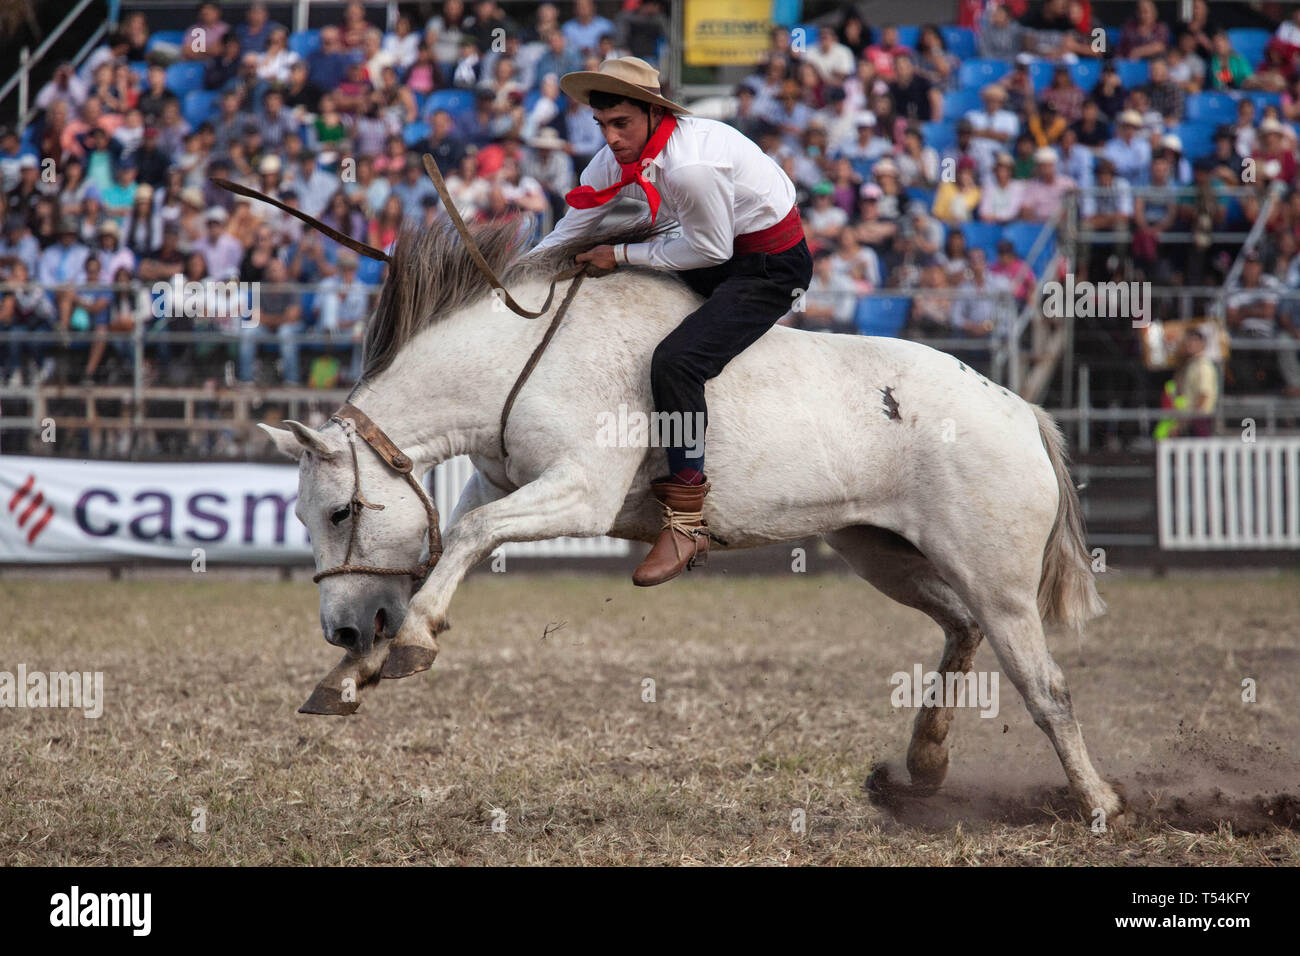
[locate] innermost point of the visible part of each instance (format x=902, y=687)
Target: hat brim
x=580, y=85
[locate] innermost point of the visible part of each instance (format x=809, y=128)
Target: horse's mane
x=431, y=276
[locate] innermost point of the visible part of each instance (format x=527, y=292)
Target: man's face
x=625, y=128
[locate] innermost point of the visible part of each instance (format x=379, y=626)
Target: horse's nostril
x=347, y=637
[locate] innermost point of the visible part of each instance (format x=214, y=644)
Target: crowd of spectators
x=927, y=160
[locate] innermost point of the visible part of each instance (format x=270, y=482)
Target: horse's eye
x=341, y=515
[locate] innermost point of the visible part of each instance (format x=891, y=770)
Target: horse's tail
x=1067, y=593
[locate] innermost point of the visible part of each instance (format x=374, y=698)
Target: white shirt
x=712, y=180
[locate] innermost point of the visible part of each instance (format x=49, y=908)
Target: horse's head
x=348, y=495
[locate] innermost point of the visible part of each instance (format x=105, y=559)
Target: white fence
x=1225, y=493
x=449, y=480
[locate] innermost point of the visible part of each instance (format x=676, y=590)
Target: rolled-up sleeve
x=704, y=196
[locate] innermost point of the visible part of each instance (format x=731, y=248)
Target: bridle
x=357, y=422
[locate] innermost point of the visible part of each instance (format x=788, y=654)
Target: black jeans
x=744, y=298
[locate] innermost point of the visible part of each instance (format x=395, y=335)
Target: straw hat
x=628, y=76
x=547, y=138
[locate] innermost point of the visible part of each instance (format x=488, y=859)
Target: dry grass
x=772, y=696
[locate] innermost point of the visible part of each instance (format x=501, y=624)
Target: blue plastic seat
x=1086, y=73
x=957, y=103
x=1023, y=235
x=907, y=36
x=141, y=69
x=415, y=133
x=960, y=41
x=1250, y=43
x=369, y=271
x=1132, y=72
x=197, y=106
x=918, y=194
x=809, y=34
x=1198, y=139
x=883, y=315
x=305, y=43
x=982, y=235
x=185, y=76
x=1211, y=107
x=980, y=73
x=863, y=168
x=939, y=135
x=455, y=102
x=173, y=37
x=1263, y=98
x=1040, y=74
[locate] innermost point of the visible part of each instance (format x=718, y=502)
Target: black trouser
x=744, y=298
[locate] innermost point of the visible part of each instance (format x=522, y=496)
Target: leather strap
x=374, y=437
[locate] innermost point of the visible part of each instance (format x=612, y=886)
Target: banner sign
x=64, y=510
x=726, y=32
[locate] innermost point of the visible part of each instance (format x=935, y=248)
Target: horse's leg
x=339, y=692
x=894, y=566
x=564, y=500
x=1003, y=597
x=414, y=649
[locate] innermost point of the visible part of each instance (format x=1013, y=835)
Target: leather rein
x=356, y=422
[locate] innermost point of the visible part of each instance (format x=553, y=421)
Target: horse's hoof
x=406, y=660
x=329, y=702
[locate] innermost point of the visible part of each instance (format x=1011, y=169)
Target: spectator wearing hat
x=1252, y=312
x=111, y=253
x=1046, y=191
x=220, y=250
x=828, y=303
x=547, y=160
x=1273, y=159
x=893, y=201
x=18, y=243
x=1130, y=152
x=823, y=220
x=957, y=202
x=867, y=145
x=872, y=230
x=992, y=128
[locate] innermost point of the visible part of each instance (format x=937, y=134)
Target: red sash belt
x=776, y=238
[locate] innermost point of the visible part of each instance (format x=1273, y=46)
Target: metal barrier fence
x=1226, y=494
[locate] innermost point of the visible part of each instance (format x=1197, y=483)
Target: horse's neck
x=443, y=393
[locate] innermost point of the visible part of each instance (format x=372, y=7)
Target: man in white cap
x=992, y=128
x=1043, y=194
x=1129, y=150
x=740, y=245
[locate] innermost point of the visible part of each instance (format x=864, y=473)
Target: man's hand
x=601, y=256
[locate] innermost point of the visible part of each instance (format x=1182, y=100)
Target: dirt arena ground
x=772, y=696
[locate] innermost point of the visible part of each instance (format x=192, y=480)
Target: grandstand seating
x=883, y=315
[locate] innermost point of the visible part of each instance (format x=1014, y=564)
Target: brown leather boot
x=685, y=533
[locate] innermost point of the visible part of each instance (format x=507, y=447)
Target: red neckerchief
x=584, y=197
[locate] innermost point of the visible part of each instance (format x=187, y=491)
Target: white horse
x=946, y=491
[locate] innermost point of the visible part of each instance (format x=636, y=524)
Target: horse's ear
x=296, y=439
x=286, y=443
